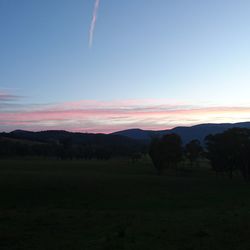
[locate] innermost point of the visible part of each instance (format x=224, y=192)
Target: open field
x=116, y=204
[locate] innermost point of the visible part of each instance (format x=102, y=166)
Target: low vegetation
x=120, y=204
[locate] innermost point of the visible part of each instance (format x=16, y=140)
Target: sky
x=150, y=64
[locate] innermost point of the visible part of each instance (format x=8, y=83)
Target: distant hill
x=75, y=138
x=138, y=134
x=117, y=144
x=187, y=133
x=131, y=138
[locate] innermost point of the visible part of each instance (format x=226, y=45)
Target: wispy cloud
x=8, y=101
x=5, y=97
x=109, y=116
x=93, y=22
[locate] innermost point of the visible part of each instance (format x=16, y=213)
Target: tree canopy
x=230, y=151
x=193, y=151
x=166, y=152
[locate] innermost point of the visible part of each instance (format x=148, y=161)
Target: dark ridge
x=187, y=134
x=127, y=137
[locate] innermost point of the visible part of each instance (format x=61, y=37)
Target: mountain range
x=125, y=137
x=187, y=134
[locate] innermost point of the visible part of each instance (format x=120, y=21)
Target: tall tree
x=193, y=151
x=230, y=151
x=166, y=152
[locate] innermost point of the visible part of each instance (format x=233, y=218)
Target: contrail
x=93, y=22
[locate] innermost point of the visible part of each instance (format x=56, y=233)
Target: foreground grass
x=117, y=204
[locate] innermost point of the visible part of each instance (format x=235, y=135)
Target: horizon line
x=132, y=128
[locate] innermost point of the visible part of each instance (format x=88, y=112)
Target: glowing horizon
x=110, y=116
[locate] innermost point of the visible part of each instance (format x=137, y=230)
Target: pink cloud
x=109, y=116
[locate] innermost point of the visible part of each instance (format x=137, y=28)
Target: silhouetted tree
x=193, y=151
x=230, y=151
x=166, y=152
x=66, y=149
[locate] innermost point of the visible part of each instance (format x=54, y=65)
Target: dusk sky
x=150, y=64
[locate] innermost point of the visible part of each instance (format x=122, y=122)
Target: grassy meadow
x=120, y=205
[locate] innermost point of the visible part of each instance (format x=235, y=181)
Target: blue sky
x=193, y=52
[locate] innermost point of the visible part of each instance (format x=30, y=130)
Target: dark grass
x=49, y=204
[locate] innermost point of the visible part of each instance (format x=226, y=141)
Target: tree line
x=228, y=152
x=167, y=152
x=66, y=149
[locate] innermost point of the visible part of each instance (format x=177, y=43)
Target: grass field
x=116, y=204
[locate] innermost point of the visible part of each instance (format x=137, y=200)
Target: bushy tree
x=230, y=151
x=166, y=152
x=193, y=151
